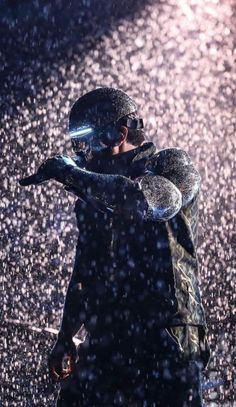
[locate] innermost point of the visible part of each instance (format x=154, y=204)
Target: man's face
x=91, y=140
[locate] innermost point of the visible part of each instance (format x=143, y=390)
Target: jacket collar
x=144, y=151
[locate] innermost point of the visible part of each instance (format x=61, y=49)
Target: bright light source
x=81, y=132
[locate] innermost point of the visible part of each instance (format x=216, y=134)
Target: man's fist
x=53, y=167
x=61, y=361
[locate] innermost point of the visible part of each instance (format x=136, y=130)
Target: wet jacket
x=136, y=253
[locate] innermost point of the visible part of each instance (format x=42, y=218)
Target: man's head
x=102, y=118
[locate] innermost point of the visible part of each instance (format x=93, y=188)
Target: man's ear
x=123, y=132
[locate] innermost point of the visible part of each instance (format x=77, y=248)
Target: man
x=134, y=286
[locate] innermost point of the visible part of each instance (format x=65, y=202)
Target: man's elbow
x=166, y=210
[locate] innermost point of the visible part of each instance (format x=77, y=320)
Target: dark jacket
x=136, y=253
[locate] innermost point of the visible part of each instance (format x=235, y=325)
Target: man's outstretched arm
x=122, y=195
x=170, y=182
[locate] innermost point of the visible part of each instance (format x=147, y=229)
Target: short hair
x=135, y=136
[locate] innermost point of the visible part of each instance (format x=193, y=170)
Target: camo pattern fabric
x=185, y=267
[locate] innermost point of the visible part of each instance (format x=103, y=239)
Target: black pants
x=155, y=369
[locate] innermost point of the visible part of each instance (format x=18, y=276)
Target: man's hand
x=61, y=361
x=53, y=167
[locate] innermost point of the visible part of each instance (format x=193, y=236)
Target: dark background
x=177, y=59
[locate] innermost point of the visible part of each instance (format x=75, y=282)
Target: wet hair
x=135, y=136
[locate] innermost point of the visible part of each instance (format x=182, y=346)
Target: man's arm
x=171, y=182
x=74, y=310
x=72, y=320
x=132, y=198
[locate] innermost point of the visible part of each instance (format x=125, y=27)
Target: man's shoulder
x=170, y=157
x=172, y=154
